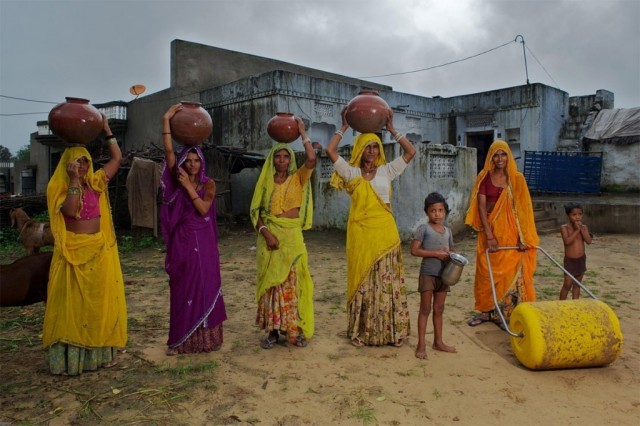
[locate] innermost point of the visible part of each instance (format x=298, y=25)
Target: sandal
x=479, y=319
x=270, y=340
x=171, y=352
x=300, y=342
x=110, y=364
x=357, y=342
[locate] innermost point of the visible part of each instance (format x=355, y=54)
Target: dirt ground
x=330, y=381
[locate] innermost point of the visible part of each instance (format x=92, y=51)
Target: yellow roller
x=565, y=334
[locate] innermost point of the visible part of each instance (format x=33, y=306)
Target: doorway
x=481, y=141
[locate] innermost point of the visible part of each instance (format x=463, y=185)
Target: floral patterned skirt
x=202, y=340
x=72, y=360
x=378, y=313
x=278, y=308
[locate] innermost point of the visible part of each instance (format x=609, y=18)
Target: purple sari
x=192, y=261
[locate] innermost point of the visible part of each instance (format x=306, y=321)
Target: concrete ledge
x=615, y=214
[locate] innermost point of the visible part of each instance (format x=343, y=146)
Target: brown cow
x=24, y=281
x=33, y=235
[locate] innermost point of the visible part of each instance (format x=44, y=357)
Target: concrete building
x=242, y=92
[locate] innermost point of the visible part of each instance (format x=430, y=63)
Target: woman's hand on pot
x=389, y=124
x=171, y=111
x=343, y=114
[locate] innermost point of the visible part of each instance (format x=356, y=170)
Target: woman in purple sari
x=188, y=221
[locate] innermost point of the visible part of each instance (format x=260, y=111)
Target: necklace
x=367, y=172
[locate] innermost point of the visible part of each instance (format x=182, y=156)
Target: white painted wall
x=425, y=174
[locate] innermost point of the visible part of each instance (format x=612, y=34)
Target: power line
x=23, y=113
x=28, y=100
x=545, y=70
x=441, y=65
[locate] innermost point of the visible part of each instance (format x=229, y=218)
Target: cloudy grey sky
x=97, y=49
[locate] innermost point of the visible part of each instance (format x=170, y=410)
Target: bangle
x=112, y=141
x=339, y=132
x=261, y=228
x=307, y=140
x=166, y=133
x=73, y=190
x=398, y=136
x=195, y=198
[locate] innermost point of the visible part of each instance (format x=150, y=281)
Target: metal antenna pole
x=526, y=70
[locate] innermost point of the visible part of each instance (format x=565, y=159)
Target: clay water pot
x=192, y=125
x=453, y=269
x=283, y=127
x=367, y=112
x=75, y=121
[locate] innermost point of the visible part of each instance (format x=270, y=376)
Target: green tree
x=23, y=154
x=5, y=154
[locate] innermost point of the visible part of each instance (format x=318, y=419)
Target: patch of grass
x=188, y=369
x=548, y=272
x=9, y=244
x=366, y=414
x=128, y=243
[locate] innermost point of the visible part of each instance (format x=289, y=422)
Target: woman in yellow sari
x=376, y=293
x=86, y=316
x=502, y=212
x=281, y=208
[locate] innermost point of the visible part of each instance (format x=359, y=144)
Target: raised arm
x=115, y=155
x=310, y=154
x=169, y=154
x=407, y=146
x=332, y=148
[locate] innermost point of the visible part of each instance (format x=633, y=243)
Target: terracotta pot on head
x=367, y=112
x=75, y=121
x=192, y=125
x=283, y=127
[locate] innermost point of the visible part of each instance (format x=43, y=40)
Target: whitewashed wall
x=446, y=169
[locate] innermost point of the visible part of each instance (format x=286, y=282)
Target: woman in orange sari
x=502, y=212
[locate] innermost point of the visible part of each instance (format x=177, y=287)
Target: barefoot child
x=574, y=235
x=432, y=241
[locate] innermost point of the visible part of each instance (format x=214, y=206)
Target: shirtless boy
x=574, y=236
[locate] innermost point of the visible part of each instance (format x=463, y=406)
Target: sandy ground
x=330, y=381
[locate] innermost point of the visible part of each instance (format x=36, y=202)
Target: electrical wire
x=23, y=113
x=441, y=65
x=545, y=70
x=28, y=100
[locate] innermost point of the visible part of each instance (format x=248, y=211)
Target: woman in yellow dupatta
x=502, y=212
x=86, y=316
x=281, y=208
x=376, y=294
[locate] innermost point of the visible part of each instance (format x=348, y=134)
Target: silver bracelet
x=261, y=228
x=339, y=132
x=307, y=140
x=398, y=136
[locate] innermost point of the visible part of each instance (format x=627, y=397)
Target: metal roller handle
x=493, y=285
